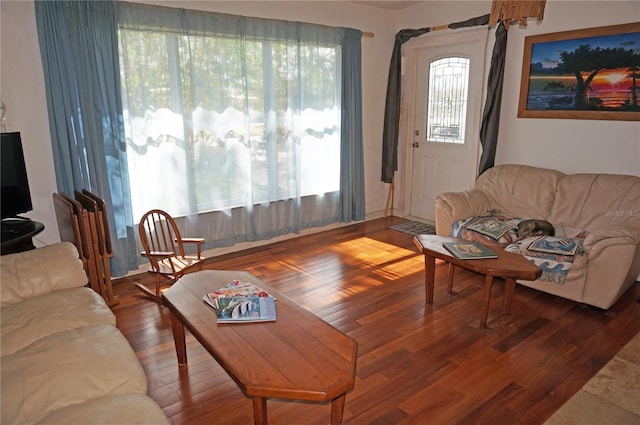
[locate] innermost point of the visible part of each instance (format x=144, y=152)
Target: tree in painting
x=586, y=62
x=634, y=74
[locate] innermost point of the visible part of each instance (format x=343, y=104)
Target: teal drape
x=79, y=50
x=352, y=161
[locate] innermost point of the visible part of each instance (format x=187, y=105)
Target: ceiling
x=393, y=5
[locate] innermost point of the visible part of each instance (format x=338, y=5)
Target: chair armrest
x=198, y=241
x=193, y=240
x=453, y=206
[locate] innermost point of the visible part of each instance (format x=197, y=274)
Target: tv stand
x=17, y=234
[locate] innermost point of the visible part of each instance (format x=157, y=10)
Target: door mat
x=414, y=228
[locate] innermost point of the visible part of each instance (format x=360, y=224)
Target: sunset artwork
x=590, y=73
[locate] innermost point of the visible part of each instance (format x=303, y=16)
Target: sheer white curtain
x=233, y=124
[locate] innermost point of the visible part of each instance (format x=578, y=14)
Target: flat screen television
x=15, y=197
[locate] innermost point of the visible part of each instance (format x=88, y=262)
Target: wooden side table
x=17, y=235
x=508, y=266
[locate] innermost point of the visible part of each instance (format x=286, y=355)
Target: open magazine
x=239, y=302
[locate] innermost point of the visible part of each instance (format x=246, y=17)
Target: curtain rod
x=431, y=29
x=436, y=28
x=439, y=27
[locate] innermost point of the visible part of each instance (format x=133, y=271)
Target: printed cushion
x=490, y=226
x=493, y=229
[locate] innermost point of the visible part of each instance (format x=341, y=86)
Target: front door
x=449, y=78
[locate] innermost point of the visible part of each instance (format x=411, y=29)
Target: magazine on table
x=469, y=250
x=240, y=302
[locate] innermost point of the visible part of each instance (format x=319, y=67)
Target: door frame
x=409, y=74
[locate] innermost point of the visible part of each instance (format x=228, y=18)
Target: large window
x=213, y=123
x=242, y=128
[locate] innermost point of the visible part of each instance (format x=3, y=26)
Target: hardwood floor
x=417, y=363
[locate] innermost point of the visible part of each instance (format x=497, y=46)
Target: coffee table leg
x=337, y=409
x=488, y=283
x=260, y=411
x=509, y=289
x=452, y=269
x=179, y=338
x=429, y=277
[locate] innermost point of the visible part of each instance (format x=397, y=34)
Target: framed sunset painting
x=583, y=74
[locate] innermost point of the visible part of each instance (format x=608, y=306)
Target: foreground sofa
x=602, y=209
x=63, y=360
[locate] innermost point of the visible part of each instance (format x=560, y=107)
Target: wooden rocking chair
x=164, y=247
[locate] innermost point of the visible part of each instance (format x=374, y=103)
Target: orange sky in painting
x=612, y=79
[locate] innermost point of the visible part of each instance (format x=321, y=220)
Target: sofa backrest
x=520, y=190
x=596, y=201
x=40, y=271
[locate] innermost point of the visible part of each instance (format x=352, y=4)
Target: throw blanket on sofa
x=555, y=267
x=497, y=230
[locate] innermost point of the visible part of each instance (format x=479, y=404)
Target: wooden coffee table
x=297, y=357
x=508, y=266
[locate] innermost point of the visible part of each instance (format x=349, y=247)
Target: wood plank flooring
x=417, y=363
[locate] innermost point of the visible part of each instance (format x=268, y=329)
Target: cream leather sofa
x=63, y=360
x=606, y=206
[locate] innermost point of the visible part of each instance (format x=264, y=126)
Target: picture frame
x=582, y=74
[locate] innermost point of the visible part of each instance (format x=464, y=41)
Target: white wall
x=22, y=91
x=568, y=145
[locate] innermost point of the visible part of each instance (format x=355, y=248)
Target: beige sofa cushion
x=598, y=201
x=115, y=409
x=520, y=190
x=40, y=271
x=34, y=318
x=68, y=368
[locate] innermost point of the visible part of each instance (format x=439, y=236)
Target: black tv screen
x=16, y=198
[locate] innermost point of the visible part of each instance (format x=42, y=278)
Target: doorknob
x=416, y=144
